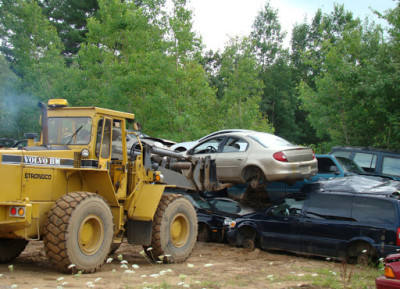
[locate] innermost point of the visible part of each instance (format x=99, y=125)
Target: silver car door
x=231, y=159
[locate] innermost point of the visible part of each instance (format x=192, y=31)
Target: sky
x=218, y=20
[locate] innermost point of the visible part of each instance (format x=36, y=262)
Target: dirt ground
x=211, y=265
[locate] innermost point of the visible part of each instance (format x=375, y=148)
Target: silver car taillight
x=280, y=156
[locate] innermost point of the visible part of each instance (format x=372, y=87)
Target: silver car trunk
x=298, y=154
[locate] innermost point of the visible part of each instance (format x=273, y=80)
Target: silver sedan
x=255, y=157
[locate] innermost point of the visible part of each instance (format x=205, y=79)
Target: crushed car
x=391, y=278
x=352, y=218
x=211, y=214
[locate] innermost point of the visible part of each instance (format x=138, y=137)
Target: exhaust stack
x=45, y=127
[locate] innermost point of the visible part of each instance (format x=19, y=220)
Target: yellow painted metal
x=91, y=234
x=179, y=230
x=99, y=182
x=10, y=178
x=118, y=215
x=36, y=178
x=89, y=111
x=37, y=183
x=145, y=202
x=31, y=142
x=57, y=103
x=8, y=223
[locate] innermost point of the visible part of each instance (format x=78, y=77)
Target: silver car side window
x=209, y=146
x=234, y=144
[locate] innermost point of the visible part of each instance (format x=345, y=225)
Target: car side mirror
x=334, y=169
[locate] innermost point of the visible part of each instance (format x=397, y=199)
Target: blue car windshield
x=269, y=140
x=350, y=166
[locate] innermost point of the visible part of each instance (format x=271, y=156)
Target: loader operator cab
x=97, y=135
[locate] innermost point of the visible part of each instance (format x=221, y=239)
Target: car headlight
x=229, y=223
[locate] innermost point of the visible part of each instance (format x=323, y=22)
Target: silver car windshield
x=269, y=140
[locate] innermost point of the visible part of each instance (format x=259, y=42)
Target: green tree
x=267, y=36
x=32, y=47
x=69, y=18
x=142, y=60
x=240, y=105
x=33, y=51
x=349, y=102
x=308, y=57
x=278, y=98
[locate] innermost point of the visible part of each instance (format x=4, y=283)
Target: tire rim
x=91, y=234
x=179, y=230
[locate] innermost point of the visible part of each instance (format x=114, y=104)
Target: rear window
x=269, y=140
x=374, y=211
x=366, y=161
x=329, y=207
x=391, y=166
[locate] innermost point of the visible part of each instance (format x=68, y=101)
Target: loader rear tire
x=79, y=232
x=174, y=231
x=11, y=248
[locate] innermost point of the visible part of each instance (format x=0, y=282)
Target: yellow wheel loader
x=81, y=190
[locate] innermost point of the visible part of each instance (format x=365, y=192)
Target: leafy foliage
x=339, y=83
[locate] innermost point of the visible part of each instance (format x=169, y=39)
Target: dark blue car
x=354, y=218
x=211, y=214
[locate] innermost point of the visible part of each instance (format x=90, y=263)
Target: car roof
x=363, y=149
x=224, y=131
x=357, y=184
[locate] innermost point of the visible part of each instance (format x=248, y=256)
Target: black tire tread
x=156, y=247
x=56, y=228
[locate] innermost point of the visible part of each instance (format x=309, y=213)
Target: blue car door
x=280, y=227
x=325, y=226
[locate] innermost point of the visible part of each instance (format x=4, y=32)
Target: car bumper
x=217, y=234
x=385, y=283
x=287, y=172
x=386, y=250
x=232, y=237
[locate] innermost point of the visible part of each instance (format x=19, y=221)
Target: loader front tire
x=79, y=232
x=11, y=248
x=174, y=231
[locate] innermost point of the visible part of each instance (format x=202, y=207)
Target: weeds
x=132, y=276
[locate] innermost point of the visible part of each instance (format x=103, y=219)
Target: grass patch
x=336, y=276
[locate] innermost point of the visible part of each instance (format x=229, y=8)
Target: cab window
x=69, y=130
x=105, y=141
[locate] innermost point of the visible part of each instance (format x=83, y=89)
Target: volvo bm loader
x=81, y=190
